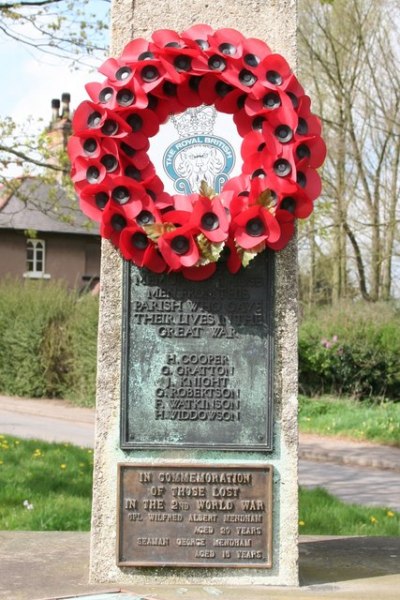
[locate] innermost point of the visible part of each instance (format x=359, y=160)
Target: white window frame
x=39, y=255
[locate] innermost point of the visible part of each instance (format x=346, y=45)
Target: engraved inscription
x=195, y=515
x=196, y=387
x=197, y=365
x=179, y=317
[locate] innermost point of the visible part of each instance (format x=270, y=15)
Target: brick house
x=43, y=235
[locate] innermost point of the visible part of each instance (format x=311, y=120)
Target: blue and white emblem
x=198, y=154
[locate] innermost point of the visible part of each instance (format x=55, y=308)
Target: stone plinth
x=275, y=22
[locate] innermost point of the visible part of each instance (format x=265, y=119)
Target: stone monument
x=196, y=430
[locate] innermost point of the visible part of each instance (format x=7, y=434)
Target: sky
x=31, y=79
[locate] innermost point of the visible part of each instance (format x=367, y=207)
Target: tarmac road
x=353, y=484
x=361, y=473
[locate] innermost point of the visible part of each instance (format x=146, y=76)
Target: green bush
x=48, y=338
x=47, y=341
x=81, y=328
x=351, y=349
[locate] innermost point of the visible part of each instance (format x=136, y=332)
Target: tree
x=350, y=60
x=69, y=30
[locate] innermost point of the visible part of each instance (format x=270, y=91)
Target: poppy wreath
x=117, y=184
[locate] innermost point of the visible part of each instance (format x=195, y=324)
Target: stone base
x=54, y=565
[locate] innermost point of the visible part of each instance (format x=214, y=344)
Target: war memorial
x=196, y=154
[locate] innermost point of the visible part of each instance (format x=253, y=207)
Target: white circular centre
x=200, y=144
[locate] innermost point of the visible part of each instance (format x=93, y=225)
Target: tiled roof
x=31, y=203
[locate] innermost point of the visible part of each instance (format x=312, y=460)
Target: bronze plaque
x=194, y=516
x=197, y=359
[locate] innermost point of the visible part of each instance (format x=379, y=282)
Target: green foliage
x=80, y=380
x=30, y=313
x=70, y=30
x=47, y=341
x=351, y=349
x=44, y=486
x=320, y=513
x=328, y=415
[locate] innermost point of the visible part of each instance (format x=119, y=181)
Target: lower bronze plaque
x=194, y=516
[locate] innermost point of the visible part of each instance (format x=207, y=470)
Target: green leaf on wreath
x=156, y=230
x=206, y=190
x=210, y=251
x=246, y=256
x=265, y=199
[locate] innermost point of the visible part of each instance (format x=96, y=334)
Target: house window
x=35, y=259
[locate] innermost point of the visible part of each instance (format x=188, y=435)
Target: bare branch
x=29, y=159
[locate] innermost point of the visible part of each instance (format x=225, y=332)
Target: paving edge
x=360, y=461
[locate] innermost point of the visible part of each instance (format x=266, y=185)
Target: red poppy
x=238, y=184
x=117, y=98
x=199, y=273
x=197, y=36
x=160, y=107
x=238, y=205
x=168, y=92
x=137, y=247
x=88, y=119
x=210, y=218
x=311, y=149
x=207, y=88
x=188, y=92
x=255, y=225
x=154, y=187
x=280, y=164
x=113, y=223
x=176, y=217
x=244, y=122
x=129, y=195
x=87, y=170
x=85, y=145
x=308, y=124
x=142, y=176
x=267, y=102
x=294, y=90
x=254, y=51
x=221, y=53
x=233, y=261
x=185, y=203
x=149, y=213
x=286, y=224
x=253, y=144
x=175, y=53
x=228, y=102
x=93, y=200
x=309, y=180
x=136, y=51
x=128, y=155
x=141, y=122
x=154, y=261
x=228, y=42
x=272, y=73
x=117, y=71
x=178, y=248
x=296, y=202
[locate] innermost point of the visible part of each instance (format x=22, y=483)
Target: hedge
x=351, y=349
x=47, y=341
x=48, y=338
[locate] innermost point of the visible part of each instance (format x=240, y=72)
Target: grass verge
x=327, y=415
x=320, y=513
x=48, y=487
x=44, y=486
